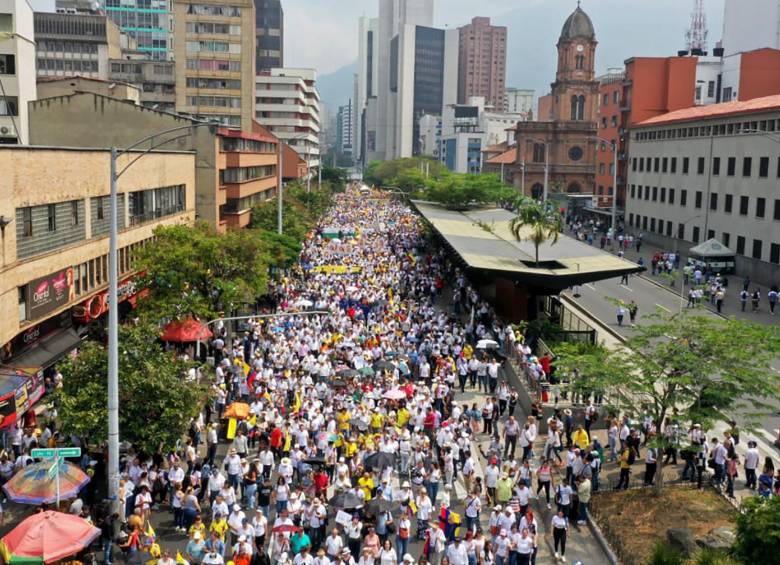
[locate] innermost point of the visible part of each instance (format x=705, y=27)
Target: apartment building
x=154, y=79
x=55, y=230
x=288, y=104
x=17, y=69
x=215, y=60
x=75, y=44
x=482, y=63
x=148, y=22
x=234, y=170
x=711, y=172
x=519, y=101
x=344, y=129
x=269, y=35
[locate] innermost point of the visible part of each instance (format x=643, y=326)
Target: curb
x=602, y=541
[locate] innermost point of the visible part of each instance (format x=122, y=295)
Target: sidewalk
x=731, y=304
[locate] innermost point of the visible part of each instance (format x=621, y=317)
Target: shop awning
x=47, y=351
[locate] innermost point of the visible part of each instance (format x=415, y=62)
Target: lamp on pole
x=113, y=310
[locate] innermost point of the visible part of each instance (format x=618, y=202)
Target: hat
x=196, y=535
x=503, y=531
x=697, y=425
x=241, y=538
x=408, y=558
x=285, y=460
x=346, y=551
x=405, y=485
x=497, y=508
x=236, y=508
x=567, y=411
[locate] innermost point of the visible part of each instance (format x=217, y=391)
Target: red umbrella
x=286, y=529
x=46, y=537
x=186, y=330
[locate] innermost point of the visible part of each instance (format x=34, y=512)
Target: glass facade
x=428, y=75
x=269, y=35
x=147, y=21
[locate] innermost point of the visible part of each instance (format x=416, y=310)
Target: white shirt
x=752, y=458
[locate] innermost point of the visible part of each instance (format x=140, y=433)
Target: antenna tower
x=696, y=36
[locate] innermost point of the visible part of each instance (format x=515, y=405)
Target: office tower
x=482, y=66
x=269, y=35
x=366, y=85
x=215, y=60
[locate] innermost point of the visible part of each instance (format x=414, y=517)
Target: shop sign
x=49, y=293
x=33, y=334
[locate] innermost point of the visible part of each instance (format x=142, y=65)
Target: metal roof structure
x=482, y=240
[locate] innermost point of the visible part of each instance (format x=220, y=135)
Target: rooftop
x=578, y=24
x=506, y=158
x=713, y=111
x=493, y=249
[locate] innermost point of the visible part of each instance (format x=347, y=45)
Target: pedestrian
x=560, y=528
x=755, y=299
x=621, y=312
x=772, y=297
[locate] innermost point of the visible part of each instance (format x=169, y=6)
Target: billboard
x=49, y=293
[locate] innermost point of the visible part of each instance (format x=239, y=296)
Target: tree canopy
x=757, y=525
x=156, y=401
x=688, y=367
x=536, y=222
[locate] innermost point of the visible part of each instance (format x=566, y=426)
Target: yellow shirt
x=403, y=417
x=351, y=448
x=201, y=529
x=376, y=420
x=220, y=527
x=367, y=484
x=580, y=439
x=343, y=419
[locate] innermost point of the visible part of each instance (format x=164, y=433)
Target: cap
x=196, y=535
x=503, y=531
x=236, y=507
x=241, y=538
x=497, y=508
x=408, y=558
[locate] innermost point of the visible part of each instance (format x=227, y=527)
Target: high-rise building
x=269, y=35
x=75, y=44
x=17, y=69
x=519, y=101
x=482, y=63
x=386, y=126
x=344, y=120
x=215, y=60
x=288, y=104
x=148, y=22
x=366, y=85
x=562, y=151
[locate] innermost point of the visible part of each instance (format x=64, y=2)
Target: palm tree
x=544, y=222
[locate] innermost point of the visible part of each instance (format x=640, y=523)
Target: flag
x=297, y=404
x=180, y=560
x=232, y=425
x=149, y=530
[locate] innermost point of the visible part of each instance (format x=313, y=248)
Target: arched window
x=580, y=62
x=574, y=107
x=581, y=108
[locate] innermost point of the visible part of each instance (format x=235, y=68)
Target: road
x=651, y=295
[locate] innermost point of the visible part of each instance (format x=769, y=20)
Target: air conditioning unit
x=5, y=130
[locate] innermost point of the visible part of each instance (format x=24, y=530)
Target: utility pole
x=280, y=180
x=614, y=190
x=546, y=169
x=113, y=344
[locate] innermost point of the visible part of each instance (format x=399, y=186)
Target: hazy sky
x=323, y=33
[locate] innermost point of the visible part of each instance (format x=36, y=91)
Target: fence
x=573, y=328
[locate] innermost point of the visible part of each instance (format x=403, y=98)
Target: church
x=565, y=135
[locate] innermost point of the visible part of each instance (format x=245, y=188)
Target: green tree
x=536, y=222
x=758, y=530
x=682, y=367
x=197, y=271
x=156, y=401
x=336, y=176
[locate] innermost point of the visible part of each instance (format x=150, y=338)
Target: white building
x=430, y=135
x=366, y=79
x=703, y=173
x=519, y=100
x=344, y=129
x=17, y=69
x=287, y=103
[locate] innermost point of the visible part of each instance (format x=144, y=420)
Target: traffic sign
x=49, y=453
x=54, y=468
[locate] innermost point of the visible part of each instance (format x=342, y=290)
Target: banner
x=232, y=425
x=336, y=269
x=49, y=293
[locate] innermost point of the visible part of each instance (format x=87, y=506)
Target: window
x=731, y=166
x=663, y=194
x=777, y=209
x=727, y=94
x=633, y=165
x=760, y=207
x=577, y=108
x=605, y=100
x=674, y=165
x=633, y=194
x=757, y=245
x=774, y=253
x=27, y=226
x=631, y=220
x=710, y=234
x=671, y=196
x=538, y=152
x=22, y=297
x=580, y=63
x=763, y=167
x=7, y=64
x=681, y=231
x=100, y=214
x=711, y=89
x=697, y=200
x=726, y=238
x=641, y=165
x=656, y=165
x=747, y=165
x=729, y=203
x=683, y=197
x=652, y=224
x=713, y=201
x=9, y=106
x=686, y=165
x=740, y=245
x=647, y=192
x=744, y=201
x=700, y=166
x=716, y=166
x=51, y=211
x=655, y=193
x=664, y=164
x=602, y=168
x=644, y=222
x=695, y=238
x=669, y=227
x=74, y=212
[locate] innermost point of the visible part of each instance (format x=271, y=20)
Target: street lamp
x=113, y=311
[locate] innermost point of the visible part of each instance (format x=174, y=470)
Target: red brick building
x=482, y=63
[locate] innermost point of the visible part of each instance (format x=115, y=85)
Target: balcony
x=237, y=220
x=249, y=188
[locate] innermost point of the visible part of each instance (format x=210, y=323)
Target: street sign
x=54, y=469
x=49, y=453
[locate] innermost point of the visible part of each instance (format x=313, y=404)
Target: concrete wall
x=71, y=85
x=44, y=176
x=88, y=120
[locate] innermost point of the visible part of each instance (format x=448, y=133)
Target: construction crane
x=696, y=36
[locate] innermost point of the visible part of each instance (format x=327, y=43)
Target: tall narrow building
x=366, y=86
x=146, y=21
x=215, y=60
x=269, y=35
x=482, y=63
x=17, y=70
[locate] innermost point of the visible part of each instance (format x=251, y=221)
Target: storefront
x=95, y=306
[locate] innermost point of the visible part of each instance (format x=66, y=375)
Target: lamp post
x=113, y=310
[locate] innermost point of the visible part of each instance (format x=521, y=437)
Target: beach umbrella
x=383, y=365
x=47, y=537
x=486, y=344
x=379, y=460
x=348, y=373
x=366, y=371
x=395, y=394
x=286, y=529
x=186, y=330
x=239, y=410
x=37, y=483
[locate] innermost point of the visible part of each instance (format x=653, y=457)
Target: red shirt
x=276, y=437
x=430, y=420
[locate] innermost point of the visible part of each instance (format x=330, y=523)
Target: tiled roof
x=506, y=158
x=715, y=111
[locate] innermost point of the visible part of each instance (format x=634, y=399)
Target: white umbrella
x=395, y=394
x=303, y=303
x=486, y=344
